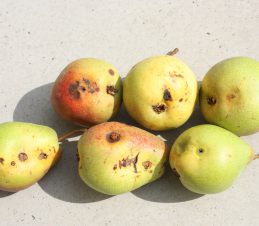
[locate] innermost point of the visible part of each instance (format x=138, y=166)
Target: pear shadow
x=61, y=182
x=5, y=194
x=167, y=189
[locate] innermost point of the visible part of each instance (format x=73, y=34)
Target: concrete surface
x=39, y=38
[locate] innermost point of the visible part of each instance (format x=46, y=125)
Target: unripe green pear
x=229, y=95
x=115, y=158
x=160, y=92
x=209, y=158
x=27, y=151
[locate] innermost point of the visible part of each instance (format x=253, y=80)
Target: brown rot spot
x=111, y=72
x=2, y=161
x=13, y=163
x=22, y=157
x=81, y=88
x=201, y=151
x=180, y=100
x=113, y=137
x=91, y=86
x=147, y=164
x=159, y=108
x=150, y=171
x=211, y=100
x=43, y=156
x=128, y=161
x=115, y=167
x=231, y=97
x=167, y=95
x=111, y=90
x=73, y=90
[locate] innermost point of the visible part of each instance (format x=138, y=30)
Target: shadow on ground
x=63, y=182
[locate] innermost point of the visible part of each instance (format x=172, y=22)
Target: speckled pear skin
x=209, y=158
x=115, y=158
x=229, y=95
x=160, y=92
x=27, y=152
x=87, y=92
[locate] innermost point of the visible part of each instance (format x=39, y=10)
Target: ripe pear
x=229, y=95
x=87, y=92
x=209, y=158
x=27, y=151
x=160, y=92
x=115, y=158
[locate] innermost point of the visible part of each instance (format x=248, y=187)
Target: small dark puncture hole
x=43, y=156
x=111, y=90
x=159, y=108
x=201, y=151
x=211, y=100
x=113, y=137
x=167, y=95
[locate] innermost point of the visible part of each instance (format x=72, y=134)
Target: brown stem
x=256, y=156
x=172, y=53
x=70, y=134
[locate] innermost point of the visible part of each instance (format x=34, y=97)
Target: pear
x=209, y=158
x=115, y=158
x=160, y=92
x=87, y=92
x=229, y=95
x=27, y=151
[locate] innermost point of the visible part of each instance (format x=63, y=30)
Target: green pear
x=229, y=95
x=27, y=151
x=209, y=158
x=115, y=158
x=160, y=92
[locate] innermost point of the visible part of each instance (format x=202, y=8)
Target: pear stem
x=172, y=53
x=60, y=139
x=256, y=157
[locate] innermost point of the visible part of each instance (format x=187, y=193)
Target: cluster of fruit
x=160, y=93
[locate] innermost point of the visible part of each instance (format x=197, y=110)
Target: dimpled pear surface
x=209, y=158
x=115, y=158
x=88, y=91
x=230, y=95
x=27, y=151
x=160, y=92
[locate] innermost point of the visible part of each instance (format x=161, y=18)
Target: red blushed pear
x=115, y=158
x=87, y=92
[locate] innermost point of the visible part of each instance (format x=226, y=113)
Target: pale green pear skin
x=209, y=158
x=160, y=92
x=229, y=95
x=27, y=152
x=115, y=158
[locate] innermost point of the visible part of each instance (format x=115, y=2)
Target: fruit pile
x=160, y=93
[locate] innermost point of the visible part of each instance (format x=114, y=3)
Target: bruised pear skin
x=209, y=158
x=27, y=152
x=160, y=92
x=115, y=158
x=229, y=95
x=87, y=92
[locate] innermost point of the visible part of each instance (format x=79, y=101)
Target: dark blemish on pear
x=13, y=163
x=127, y=162
x=111, y=72
x=73, y=90
x=115, y=167
x=81, y=88
x=167, y=95
x=181, y=100
x=43, y=156
x=201, y=151
x=211, y=100
x=159, y=108
x=111, y=90
x=150, y=171
x=147, y=164
x=22, y=157
x=2, y=161
x=113, y=137
x=231, y=96
x=91, y=87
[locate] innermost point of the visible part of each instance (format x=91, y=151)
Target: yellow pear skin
x=27, y=152
x=209, y=158
x=229, y=95
x=160, y=92
x=115, y=158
